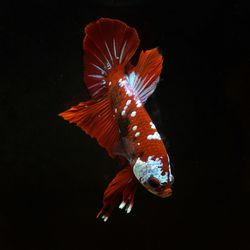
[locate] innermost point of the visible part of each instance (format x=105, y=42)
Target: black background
x=52, y=176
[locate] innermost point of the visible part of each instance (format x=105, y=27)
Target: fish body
x=116, y=116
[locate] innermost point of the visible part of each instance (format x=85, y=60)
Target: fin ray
x=95, y=118
x=107, y=44
x=145, y=75
x=121, y=189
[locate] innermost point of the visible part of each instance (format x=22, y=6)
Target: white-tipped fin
x=129, y=208
x=122, y=205
x=105, y=218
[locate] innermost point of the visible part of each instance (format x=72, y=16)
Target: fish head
x=151, y=175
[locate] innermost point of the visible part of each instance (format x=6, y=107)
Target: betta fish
x=115, y=115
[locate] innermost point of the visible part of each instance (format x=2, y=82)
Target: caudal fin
x=108, y=43
x=144, y=77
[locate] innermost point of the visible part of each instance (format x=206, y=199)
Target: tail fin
x=145, y=76
x=108, y=43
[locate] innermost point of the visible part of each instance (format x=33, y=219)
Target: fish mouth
x=166, y=193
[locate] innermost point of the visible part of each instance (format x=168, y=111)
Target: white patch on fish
x=144, y=170
x=138, y=104
x=133, y=114
x=152, y=125
x=137, y=134
x=154, y=136
x=134, y=128
x=128, y=102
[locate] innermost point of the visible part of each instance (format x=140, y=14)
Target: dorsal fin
x=95, y=118
x=107, y=44
x=144, y=77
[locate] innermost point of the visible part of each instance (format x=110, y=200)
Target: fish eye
x=153, y=182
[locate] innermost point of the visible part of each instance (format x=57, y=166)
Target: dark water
x=52, y=176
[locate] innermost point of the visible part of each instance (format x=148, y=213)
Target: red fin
x=145, y=76
x=122, y=160
x=96, y=119
x=121, y=189
x=107, y=44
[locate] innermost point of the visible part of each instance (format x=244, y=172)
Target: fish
x=116, y=115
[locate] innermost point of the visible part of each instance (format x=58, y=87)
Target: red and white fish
x=116, y=116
